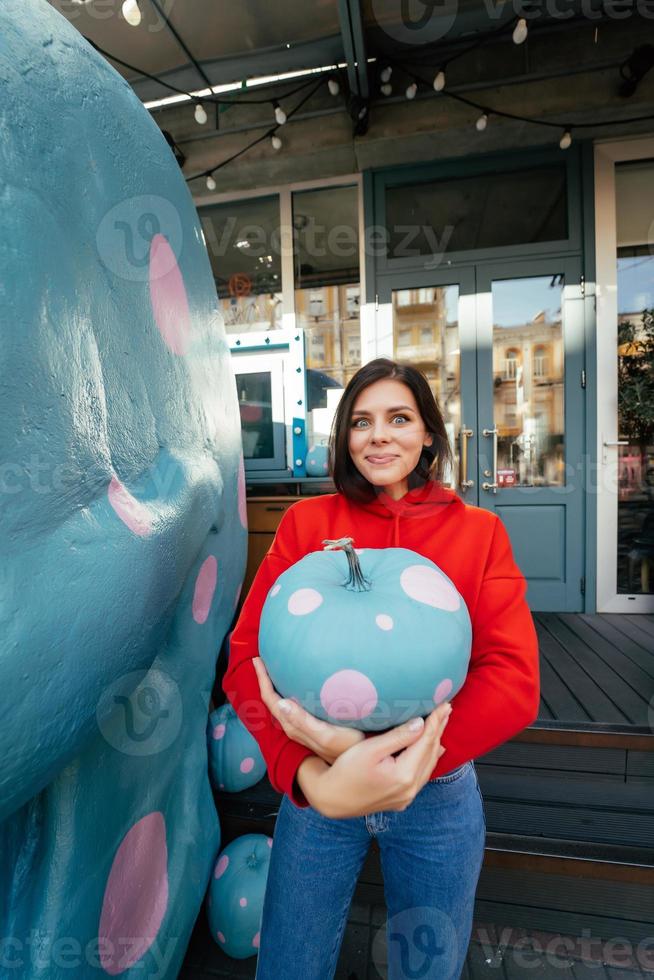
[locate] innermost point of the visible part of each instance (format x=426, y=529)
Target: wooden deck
x=504, y=953
x=597, y=671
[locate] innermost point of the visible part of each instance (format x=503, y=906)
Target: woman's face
x=387, y=435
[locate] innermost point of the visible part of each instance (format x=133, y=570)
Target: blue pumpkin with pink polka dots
x=236, y=894
x=317, y=460
x=366, y=637
x=235, y=760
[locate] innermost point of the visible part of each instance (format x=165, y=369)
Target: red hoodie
x=501, y=693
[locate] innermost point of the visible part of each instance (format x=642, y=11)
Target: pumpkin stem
x=356, y=582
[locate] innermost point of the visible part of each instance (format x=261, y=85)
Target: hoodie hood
x=429, y=500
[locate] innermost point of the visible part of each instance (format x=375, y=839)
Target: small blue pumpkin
x=316, y=461
x=366, y=637
x=235, y=759
x=236, y=894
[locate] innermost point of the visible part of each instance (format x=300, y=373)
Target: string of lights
x=631, y=70
x=269, y=134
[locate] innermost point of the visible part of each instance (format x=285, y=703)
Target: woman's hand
x=327, y=741
x=368, y=777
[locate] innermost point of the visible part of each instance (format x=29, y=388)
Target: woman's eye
x=356, y=424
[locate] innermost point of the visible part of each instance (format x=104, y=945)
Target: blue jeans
x=431, y=857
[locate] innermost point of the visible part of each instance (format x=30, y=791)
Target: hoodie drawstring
x=396, y=531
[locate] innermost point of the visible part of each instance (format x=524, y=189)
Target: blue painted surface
x=122, y=517
x=367, y=659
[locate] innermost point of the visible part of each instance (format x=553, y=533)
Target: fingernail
x=415, y=724
x=448, y=708
x=285, y=706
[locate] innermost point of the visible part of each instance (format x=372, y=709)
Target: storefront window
x=327, y=297
x=635, y=368
x=243, y=242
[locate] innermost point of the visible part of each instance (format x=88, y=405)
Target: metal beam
x=349, y=13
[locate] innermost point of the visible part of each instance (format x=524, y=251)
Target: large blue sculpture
x=122, y=520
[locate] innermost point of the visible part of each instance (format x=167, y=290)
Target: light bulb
x=565, y=140
x=482, y=122
x=276, y=143
x=386, y=73
x=411, y=91
x=387, y=89
x=200, y=114
x=520, y=31
x=333, y=86
x=280, y=115
x=439, y=81
x=132, y=12
x=211, y=183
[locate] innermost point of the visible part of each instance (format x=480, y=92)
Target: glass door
x=502, y=346
x=428, y=320
x=624, y=184
x=530, y=362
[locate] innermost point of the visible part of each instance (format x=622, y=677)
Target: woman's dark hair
x=431, y=465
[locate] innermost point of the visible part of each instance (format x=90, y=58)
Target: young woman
x=419, y=798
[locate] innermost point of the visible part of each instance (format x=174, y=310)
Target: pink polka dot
x=136, y=894
x=275, y=589
x=247, y=765
x=131, y=511
x=255, y=941
x=219, y=731
x=220, y=936
x=270, y=840
x=222, y=786
x=221, y=866
x=442, y=690
x=205, y=586
x=384, y=621
x=430, y=586
x=168, y=296
x=242, y=902
x=348, y=694
x=304, y=601
x=242, y=502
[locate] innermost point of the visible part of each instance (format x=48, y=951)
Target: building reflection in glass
x=528, y=378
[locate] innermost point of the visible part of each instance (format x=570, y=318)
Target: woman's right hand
x=368, y=777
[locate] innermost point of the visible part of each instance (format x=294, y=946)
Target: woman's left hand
x=327, y=741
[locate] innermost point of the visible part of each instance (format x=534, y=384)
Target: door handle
x=492, y=486
x=464, y=482
x=617, y=442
